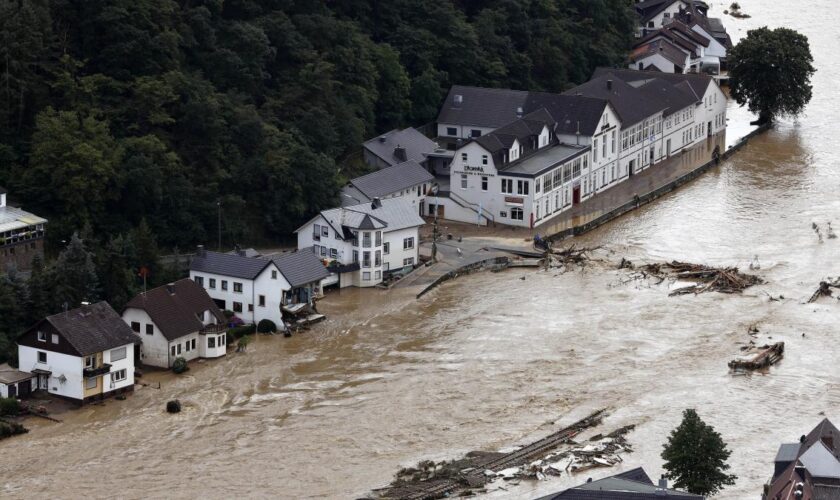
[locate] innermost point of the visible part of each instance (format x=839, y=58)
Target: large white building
x=573, y=146
x=178, y=320
x=82, y=355
x=363, y=243
x=257, y=288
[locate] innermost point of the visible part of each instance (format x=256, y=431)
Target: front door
x=709, y=125
x=668, y=148
x=576, y=195
x=12, y=390
x=632, y=167
x=24, y=388
x=43, y=381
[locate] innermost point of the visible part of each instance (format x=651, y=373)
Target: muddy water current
x=492, y=360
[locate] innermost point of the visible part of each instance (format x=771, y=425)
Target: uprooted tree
x=770, y=71
x=695, y=457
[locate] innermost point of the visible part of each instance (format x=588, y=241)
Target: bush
x=242, y=344
x=266, y=326
x=9, y=406
x=240, y=331
x=173, y=406
x=8, y=429
x=180, y=365
x=228, y=314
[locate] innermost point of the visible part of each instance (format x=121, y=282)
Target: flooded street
x=491, y=360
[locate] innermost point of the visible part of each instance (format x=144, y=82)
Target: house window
x=355, y=238
x=323, y=251
x=237, y=307
x=199, y=280
x=237, y=287
x=595, y=150
x=333, y=253
x=90, y=361
x=178, y=349
x=377, y=275
x=379, y=238
x=366, y=276
x=262, y=300
x=366, y=239
x=451, y=131
x=212, y=283
x=211, y=342
x=316, y=232
x=409, y=261
x=187, y=346
x=118, y=376
x=386, y=248
x=150, y=329
x=54, y=338
x=42, y=336
x=464, y=156
x=325, y=231
x=355, y=256
x=193, y=343
x=507, y=186
x=484, y=183
x=274, y=275
x=475, y=133
x=173, y=351
x=221, y=341
x=484, y=159
x=463, y=181
x=516, y=213
x=377, y=259
x=503, y=214
x=365, y=259
x=250, y=307
x=408, y=243
x=522, y=187
x=42, y=357
x=91, y=383
x=224, y=284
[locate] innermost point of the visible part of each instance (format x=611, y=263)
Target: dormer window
x=42, y=336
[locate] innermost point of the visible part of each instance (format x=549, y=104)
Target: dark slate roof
x=662, y=91
x=301, y=267
x=660, y=46
x=518, y=130
x=638, y=474
x=826, y=492
x=391, y=180
x=698, y=83
x=235, y=266
x=621, y=488
x=787, y=452
x=415, y=144
x=481, y=107
x=627, y=101
x=824, y=431
x=569, y=111
x=651, y=8
x=92, y=328
x=175, y=308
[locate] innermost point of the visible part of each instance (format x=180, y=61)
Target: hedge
x=240, y=331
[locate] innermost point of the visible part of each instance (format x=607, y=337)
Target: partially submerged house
x=82, y=355
x=634, y=484
x=808, y=469
x=408, y=180
x=21, y=236
x=15, y=383
x=176, y=320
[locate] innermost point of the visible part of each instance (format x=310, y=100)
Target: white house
x=363, y=243
x=82, y=355
x=256, y=288
x=176, y=320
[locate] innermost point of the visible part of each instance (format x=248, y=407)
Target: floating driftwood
x=765, y=356
x=706, y=278
x=824, y=289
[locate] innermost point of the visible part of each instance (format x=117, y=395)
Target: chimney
x=239, y=250
x=382, y=138
x=400, y=154
x=170, y=287
x=376, y=203
x=829, y=442
x=519, y=112
x=458, y=99
x=199, y=251
x=663, y=482
x=609, y=84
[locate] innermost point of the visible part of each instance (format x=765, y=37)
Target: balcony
x=339, y=268
x=95, y=372
x=213, y=329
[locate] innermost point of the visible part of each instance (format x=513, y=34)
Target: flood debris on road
x=550, y=456
x=705, y=278
x=824, y=289
x=565, y=257
x=759, y=357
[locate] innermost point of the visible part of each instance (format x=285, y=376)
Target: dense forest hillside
x=115, y=111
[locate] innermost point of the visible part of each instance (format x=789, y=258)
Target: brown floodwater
x=492, y=360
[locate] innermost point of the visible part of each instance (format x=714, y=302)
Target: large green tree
x=770, y=71
x=695, y=457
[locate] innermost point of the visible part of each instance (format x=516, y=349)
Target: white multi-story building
x=257, y=288
x=363, y=243
x=82, y=355
x=178, y=320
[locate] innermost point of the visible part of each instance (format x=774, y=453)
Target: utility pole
x=219, y=224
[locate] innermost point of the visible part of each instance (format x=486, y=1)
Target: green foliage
x=180, y=365
x=242, y=343
x=770, y=71
x=9, y=406
x=8, y=429
x=76, y=280
x=241, y=331
x=266, y=326
x=695, y=457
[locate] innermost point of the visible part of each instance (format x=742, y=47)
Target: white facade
x=666, y=16
x=158, y=351
x=662, y=63
x=4, y=388
x=462, y=131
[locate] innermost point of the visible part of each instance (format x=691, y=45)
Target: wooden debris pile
x=705, y=278
x=563, y=258
x=824, y=289
x=762, y=357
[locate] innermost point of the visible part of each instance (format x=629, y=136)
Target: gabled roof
x=390, y=180
x=619, y=487
x=698, y=83
x=662, y=47
x=91, y=329
x=481, y=107
x=301, y=267
x=414, y=146
x=820, y=461
x=627, y=101
x=391, y=215
x=638, y=474
x=662, y=91
x=570, y=111
x=176, y=308
x=235, y=266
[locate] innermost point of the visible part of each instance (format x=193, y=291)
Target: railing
x=472, y=206
x=100, y=370
x=213, y=328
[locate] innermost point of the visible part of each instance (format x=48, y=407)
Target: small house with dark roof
x=15, y=383
x=177, y=320
x=408, y=180
x=634, y=484
x=83, y=355
x=364, y=243
x=397, y=146
x=257, y=288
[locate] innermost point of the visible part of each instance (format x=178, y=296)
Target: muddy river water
x=492, y=360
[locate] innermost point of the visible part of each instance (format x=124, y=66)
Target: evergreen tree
x=118, y=281
x=40, y=288
x=76, y=280
x=695, y=457
x=146, y=254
